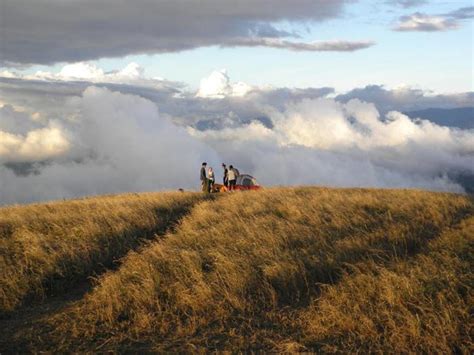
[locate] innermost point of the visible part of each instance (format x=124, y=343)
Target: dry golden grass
x=46, y=247
x=287, y=270
x=422, y=305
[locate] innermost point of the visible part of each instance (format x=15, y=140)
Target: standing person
x=212, y=179
x=203, y=177
x=232, y=178
x=237, y=173
x=225, y=180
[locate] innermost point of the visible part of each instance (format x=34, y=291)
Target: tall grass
x=47, y=247
x=422, y=305
x=289, y=269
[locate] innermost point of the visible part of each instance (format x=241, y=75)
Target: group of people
x=208, y=177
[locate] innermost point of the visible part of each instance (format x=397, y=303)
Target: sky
x=115, y=96
x=434, y=60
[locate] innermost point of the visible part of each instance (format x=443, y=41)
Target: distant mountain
x=456, y=117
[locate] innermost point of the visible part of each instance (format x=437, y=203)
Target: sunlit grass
x=301, y=269
x=46, y=247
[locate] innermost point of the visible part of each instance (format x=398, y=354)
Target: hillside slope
x=280, y=270
x=47, y=247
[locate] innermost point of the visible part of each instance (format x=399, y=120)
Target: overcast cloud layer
x=82, y=131
x=49, y=31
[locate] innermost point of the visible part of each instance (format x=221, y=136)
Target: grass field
x=47, y=247
x=294, y=269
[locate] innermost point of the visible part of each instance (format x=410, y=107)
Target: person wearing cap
x=204, y=180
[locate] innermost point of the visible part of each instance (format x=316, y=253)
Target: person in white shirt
x=232, y=176
x=211, y=179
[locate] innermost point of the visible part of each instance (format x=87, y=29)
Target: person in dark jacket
x=225, y=180
x=204, y=179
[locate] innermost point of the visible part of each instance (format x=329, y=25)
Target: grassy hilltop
x=295, y=269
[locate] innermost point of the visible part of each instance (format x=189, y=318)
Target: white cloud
x=325, y=142
x=218, y=86
x=103, y=141
x=132, y=70
x=115, y=143
x=327, y=124
x=24, y=138
x=241, y=89
x=79, y=70
x=429, y=23
x=37, y=145
x=16, y=121
x=131, y=74
x=425, y=23
x=7, y=74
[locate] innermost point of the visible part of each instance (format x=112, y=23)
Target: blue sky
x=440, y=61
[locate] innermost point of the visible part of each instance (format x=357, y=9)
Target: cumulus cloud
x=27, y=138
x=114, y=142
x=17, y=122
x=106, y=142
x=431, y=23
x=51, y=31
x=63, y=135
x=323, y=141
x=78, y=71
x=36, y=145
x=218, y=86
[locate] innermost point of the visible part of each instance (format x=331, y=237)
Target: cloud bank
x=132, y=74
x=50, y=31
x=322, y=141
x=217, y=97
x=110, y=142
x=63, y=139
